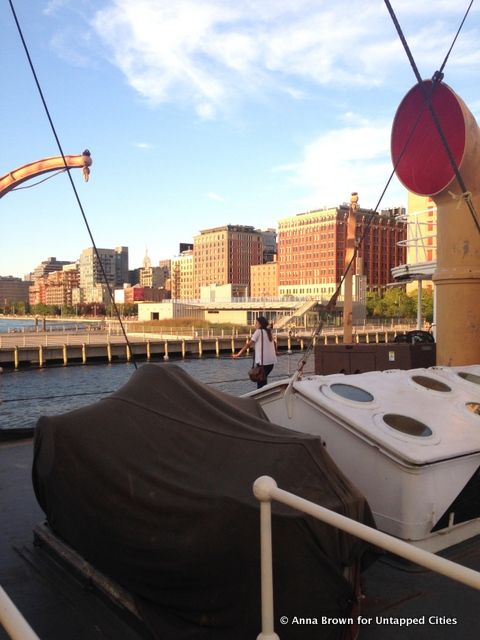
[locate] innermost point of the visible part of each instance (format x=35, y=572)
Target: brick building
x=311, y=249
x=224, y=255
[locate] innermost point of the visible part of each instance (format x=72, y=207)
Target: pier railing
x=266, y=490
x=12, y=620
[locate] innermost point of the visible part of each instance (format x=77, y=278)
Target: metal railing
x=265, y=490
x=12, y=620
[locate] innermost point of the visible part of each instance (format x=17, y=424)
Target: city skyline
x=208, y=113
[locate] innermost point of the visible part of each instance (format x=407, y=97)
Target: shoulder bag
x=257, y=372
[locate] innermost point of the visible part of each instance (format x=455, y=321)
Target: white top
x=269, y=353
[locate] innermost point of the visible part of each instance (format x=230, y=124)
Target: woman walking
x=265, y=348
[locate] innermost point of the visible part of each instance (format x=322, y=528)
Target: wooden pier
x=63, y=348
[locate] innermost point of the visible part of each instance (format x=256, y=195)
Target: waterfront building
x=48, y=266
x=37, y=291
x=264, y=280
x=224, y=255
x=137, y=293
x=13, y=290
x=182, y=277
x=242, y=312
x=311, y=250
x=93, y=281
x=59, y=285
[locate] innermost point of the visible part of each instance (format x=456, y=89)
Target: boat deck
x=60, y=605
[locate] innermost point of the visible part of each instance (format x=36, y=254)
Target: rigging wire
x=72, y=184
x=30, y=186
x=427, y=98
x=437, y=78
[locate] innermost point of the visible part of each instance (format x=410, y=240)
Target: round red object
x=418, y=153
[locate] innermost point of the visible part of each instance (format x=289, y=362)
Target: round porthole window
x=407, y=425
x=349, y=392
x=431, y=383
x=470, y=377
x=474, y=407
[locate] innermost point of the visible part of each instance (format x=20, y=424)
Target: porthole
x=349, y=392
x=474, y=407
x=470, y=377
x=407, y=425
x=431, y=383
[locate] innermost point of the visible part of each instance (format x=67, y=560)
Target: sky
x=202, y=113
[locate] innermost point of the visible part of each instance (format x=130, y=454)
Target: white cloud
x=212, y=54
x=345, y=160
x=143, y=145
x=215, y=196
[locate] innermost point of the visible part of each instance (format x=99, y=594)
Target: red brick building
x=311, y=249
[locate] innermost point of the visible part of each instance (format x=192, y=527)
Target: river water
x=27, y=394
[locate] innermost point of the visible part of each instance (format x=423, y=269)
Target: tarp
x=153, y=486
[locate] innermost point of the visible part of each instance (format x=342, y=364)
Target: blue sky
x=208, y=112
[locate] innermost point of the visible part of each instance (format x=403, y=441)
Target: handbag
x=257, y=372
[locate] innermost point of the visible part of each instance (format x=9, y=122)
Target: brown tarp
x=153, y=485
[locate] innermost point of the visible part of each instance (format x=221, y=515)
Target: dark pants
x=268, y=370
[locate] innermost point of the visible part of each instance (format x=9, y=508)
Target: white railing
x=12, y=620
x=266, y=490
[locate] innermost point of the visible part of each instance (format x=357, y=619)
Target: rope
x=72, y=184
x=30, y=186
x=440, y=71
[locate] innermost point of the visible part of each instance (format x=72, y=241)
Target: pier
x=74, y=348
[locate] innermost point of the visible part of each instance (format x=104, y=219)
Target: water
x=27, y=394
x=15, y=324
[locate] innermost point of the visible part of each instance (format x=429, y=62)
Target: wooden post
x=84, y=353
x=40, y=355
x=165, y=353
x=349, y=269
x=65, y=355
x=109, y=352
x=16, y=358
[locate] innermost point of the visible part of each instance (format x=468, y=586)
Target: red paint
x=425, y=167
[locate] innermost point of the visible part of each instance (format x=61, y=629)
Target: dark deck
x=60, y=605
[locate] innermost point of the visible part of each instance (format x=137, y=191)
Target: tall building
x=48, y=266
x=121, y=265
x=224, y=255
x=181, y=278
x=13, y=290
x=311, y=249
x=94, y=281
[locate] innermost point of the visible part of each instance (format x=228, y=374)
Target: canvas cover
x=153, y=486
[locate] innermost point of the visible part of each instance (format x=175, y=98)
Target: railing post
x=12, y=620
x=261, y=490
